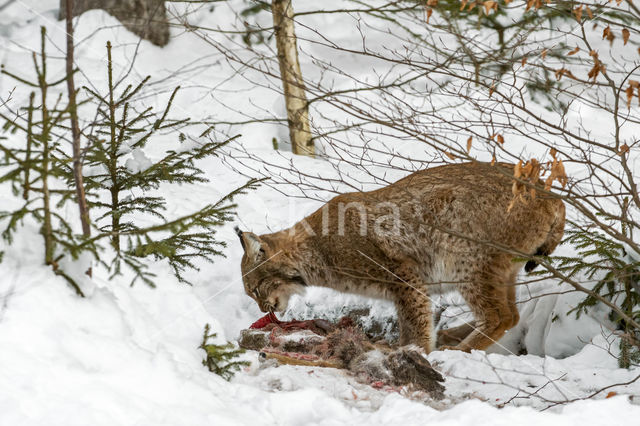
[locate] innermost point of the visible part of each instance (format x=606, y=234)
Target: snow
x=138, y=162
x=128, y=355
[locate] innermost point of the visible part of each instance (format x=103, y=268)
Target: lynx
x=451, y=227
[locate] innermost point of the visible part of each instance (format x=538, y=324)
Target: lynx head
x=269, y=276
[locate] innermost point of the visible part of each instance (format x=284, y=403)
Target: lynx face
x=267, y=276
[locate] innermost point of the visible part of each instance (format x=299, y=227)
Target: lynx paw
x=447, y=348
x=453, y=348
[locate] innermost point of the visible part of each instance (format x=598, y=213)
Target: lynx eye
x=260, y=285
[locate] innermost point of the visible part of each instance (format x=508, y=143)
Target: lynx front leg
x=415, y=318
x=453, y=336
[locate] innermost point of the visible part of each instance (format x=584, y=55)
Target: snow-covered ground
x=130, y=355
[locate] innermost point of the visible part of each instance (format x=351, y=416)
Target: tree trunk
x=47, y=226
x=292, y=82
x=75, y=128
x=145, y=18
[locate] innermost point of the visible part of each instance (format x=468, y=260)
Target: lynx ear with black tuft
x=251, y=244
x=239, y=233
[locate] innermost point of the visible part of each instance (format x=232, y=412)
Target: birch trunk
x=292, y=82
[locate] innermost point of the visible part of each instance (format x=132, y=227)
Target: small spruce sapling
x=617, y=275
x=122, y=191
x=221, y=358
x=40, y=173
x=37, y=169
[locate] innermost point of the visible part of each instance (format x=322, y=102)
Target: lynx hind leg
x=454, y=335
x=511, y=299
x=415, y=317
x=491, y=297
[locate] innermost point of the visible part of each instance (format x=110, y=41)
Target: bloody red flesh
x=318, y=326
x=270, y=318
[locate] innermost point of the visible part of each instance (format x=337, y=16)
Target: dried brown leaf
x=625, y=35
x=524, y=61
x=429, y=13
x=450, y=155
x=517, y=170
x=500, y=139
x=578, y=12
x=544, y=53
x=489, y=5
x=623, y=149
x=629, y=93
x=574, y=51
x=589, y=12
x=597, y=66
x=557, y=170
x=469, y=141
x=526, y=176
x=562, y=72
x=548, y=183
x=608, y=34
